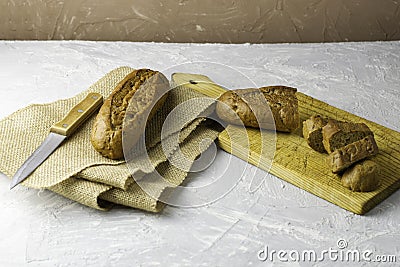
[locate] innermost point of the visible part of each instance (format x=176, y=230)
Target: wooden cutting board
x=295, y=162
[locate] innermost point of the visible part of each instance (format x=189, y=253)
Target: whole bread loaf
x=337, y=134
x=362, y=177
x=312, y=132
x=344, y=157
x=272, y=107
x=144, y=91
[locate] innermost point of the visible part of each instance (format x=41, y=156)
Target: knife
x=58, y=133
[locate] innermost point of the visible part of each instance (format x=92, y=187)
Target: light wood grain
x=78, y=114
x=295, y=162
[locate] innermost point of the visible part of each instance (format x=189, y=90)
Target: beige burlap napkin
x=75, y=170
x=144, y=196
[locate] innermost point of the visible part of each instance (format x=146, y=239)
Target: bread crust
x=106, y=135
x=344, y=157
x=272, y=107
x=312, y=132
x=362, y=177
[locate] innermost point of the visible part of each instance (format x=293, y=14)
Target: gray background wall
x=225, y=21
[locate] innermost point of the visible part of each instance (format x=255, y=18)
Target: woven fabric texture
x=76, y=171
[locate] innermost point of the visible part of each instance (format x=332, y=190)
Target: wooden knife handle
x=78, y=114
x=199, y=83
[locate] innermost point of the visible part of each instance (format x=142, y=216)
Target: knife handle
x=199, y=83
x=78, y=114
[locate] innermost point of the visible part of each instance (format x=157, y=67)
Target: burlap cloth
x=76, y=171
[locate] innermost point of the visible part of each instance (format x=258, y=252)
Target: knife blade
x=58, y=133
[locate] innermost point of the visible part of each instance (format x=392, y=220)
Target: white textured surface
x=44, y=229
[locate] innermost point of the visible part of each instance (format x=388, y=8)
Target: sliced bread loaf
x=344, y=157
x=312, y=132
x=337, y=134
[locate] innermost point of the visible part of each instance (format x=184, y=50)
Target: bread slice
x=344, y=157
x=271, y=107
x=312, y=132
x=143, y=90
x=337, y=134
x=362, y=177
